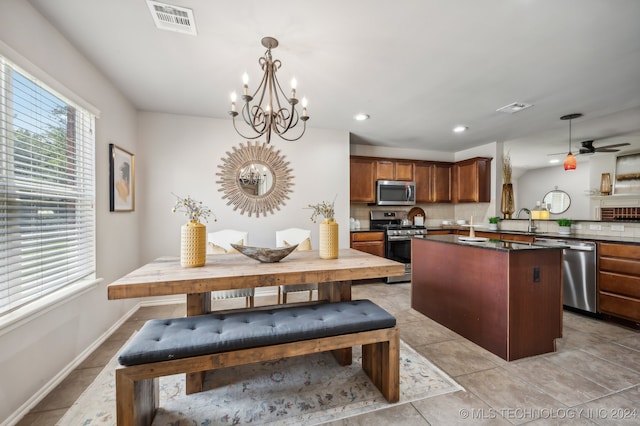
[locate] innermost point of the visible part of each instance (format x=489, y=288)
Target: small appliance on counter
x=416, y=215
x=398, y=232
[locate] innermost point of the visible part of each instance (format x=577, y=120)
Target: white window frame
x=74, y=269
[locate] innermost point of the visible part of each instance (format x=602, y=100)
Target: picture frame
x=627, y=176
x=121, y=179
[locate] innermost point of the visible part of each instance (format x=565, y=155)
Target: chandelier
x=570, y=159
x=273, y=112
x=250, y=176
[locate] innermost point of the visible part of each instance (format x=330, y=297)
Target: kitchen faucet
x=532, y=227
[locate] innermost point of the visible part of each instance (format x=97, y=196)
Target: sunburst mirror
x=255, y=179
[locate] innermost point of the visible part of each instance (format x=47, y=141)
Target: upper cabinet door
x=404, y=171
x=433, y=182
x=362, y=180
x=423, y=183
x=472, y=181
x=385, y=170
x=441, y=183
x=394, y=170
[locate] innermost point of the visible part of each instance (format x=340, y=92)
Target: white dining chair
x=219, y=242
x=290, y=237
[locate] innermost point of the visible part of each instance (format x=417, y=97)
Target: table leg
x=334, y=291
x=197, y=304
x=337, y=291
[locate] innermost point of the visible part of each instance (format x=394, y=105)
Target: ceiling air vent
x=172, y=18
x=514, y=107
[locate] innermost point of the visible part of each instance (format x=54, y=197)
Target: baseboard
x=14, y=418
x=62, y=374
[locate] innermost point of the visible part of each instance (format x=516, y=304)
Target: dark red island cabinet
x=503, y=296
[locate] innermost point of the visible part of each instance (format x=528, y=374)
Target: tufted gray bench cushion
x=167, y=339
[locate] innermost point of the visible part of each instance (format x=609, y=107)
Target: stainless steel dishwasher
x=578, y=273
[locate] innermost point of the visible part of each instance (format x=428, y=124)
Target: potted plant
x=564, y=225
x=493, y=223
x=507, y=205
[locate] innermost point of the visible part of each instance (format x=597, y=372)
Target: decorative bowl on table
x=265, y=255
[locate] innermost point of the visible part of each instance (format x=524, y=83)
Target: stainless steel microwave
x=395, y=193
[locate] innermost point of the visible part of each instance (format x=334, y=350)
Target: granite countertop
x=583, y=237
x=491, y=244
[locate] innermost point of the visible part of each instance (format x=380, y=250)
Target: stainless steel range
x=397, y=238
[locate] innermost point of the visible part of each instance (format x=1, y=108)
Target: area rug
x=308, y=390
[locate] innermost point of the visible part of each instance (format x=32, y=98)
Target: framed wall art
x=627, y=174
x=121, y=179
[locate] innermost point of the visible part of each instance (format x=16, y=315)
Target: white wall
x=181, y=155
x=37, y=351
x=534, y=184
x=173, y=154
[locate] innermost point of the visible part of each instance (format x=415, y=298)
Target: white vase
x=564, y=230
x=493, y=227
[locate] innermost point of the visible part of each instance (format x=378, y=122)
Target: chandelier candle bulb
x=245, y=81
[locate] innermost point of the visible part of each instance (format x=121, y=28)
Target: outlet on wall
x=595, y=227
x=617, y=228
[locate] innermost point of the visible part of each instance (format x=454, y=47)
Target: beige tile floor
x=593, y=378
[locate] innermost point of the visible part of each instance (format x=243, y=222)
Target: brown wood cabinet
x=507, y=301
x=472, y=180
x=370, y=242
x=619, y=280
x=363, y=180
x=467, y=181
x=433, y=182
x=388, y=169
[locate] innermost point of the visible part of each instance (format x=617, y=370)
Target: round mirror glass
x=255, y=178
x=557, y=201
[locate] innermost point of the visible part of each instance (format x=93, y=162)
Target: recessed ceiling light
x=553, y=161
x=361, y=117
x=460, y=129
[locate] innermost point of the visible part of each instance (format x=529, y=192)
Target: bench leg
x=381, y=362
x=194, y=382
x=136, y=401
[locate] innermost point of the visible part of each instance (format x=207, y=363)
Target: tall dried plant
x=506, y=168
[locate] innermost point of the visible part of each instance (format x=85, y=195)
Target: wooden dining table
x=164, y=276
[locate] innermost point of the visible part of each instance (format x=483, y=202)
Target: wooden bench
x=206, y=342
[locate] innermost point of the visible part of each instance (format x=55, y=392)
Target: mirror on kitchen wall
x=557, y=201
x=255, y=179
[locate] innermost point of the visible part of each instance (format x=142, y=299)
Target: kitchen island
x=503, y=296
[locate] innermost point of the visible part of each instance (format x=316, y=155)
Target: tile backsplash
x=436, y=213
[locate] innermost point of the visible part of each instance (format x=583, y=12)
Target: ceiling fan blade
x=615, y=145
x=603, y=149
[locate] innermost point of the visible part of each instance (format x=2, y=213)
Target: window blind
x=47, y=181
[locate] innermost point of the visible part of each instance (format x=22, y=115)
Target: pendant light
x=274, y=111
x=570, y=159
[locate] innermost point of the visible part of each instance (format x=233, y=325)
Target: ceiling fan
x=586, y=147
